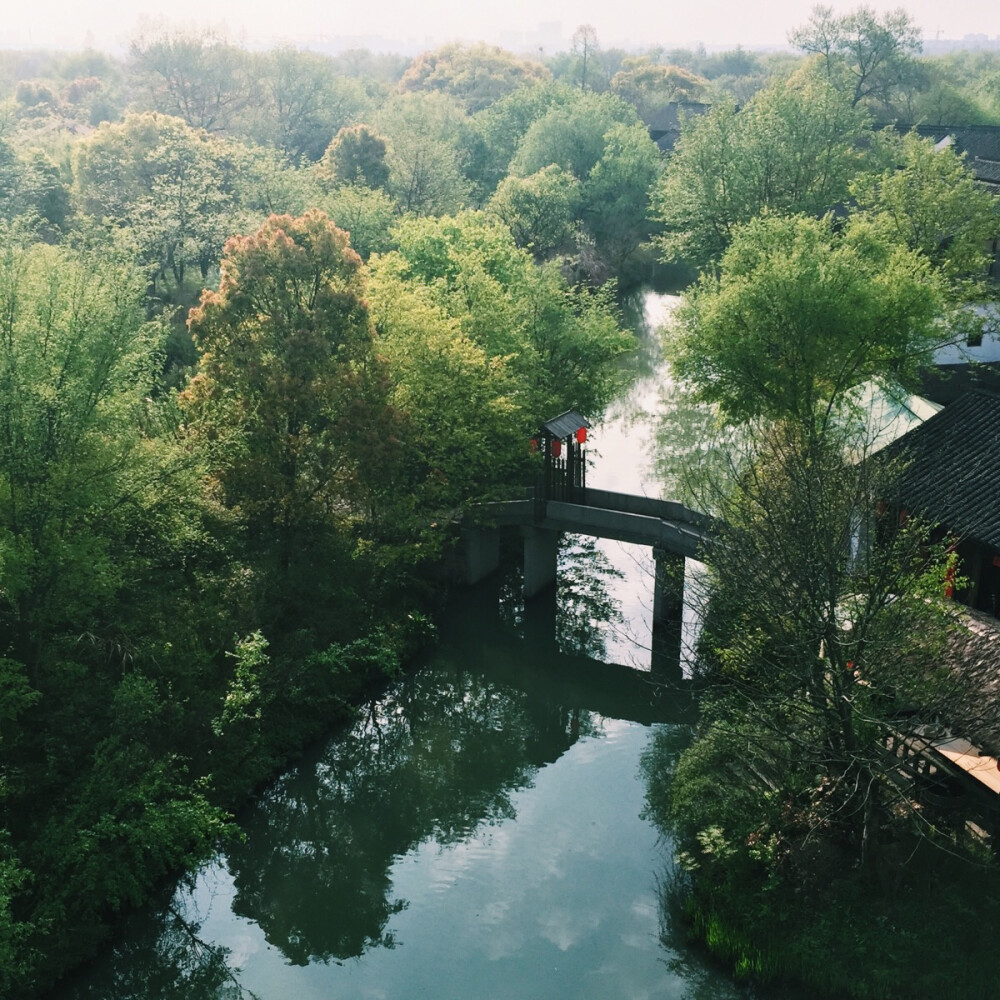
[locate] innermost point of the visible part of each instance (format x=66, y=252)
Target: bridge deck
x=621, y=516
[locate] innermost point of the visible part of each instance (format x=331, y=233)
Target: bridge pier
x=482, y=552
x=541, y=550
x=668, y=588
x=665, y=663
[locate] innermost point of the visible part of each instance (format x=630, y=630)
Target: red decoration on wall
x=581, y=435
x=556, y=447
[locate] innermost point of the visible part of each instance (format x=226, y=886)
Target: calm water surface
x=477, y=832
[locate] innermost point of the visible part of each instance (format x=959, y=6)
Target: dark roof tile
x=952, y=474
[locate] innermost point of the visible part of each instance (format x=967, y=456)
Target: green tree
x=825, y=633
x=928, y=200
x=539, y=210
x=571, y=135
x=498, y=131
x=356, y=155
x=797, y=830
x=198, y=77
x=76, y=365
x=99, y=513
x=475, y=75
x=801, y=311
x=559, y=343
x=649, y=86
x=793, y=148
x=616, y=195
x=166, y=187
x=305, y=102
x=368, y=215
x=870, y=56
x=425, y=134
x=10, y=178
x=44, y=194
x=467, y=416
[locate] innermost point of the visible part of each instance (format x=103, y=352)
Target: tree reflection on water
x=575, y=616
x=160, y=954
x=434, y=758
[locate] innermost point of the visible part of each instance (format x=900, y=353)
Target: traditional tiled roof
x=565, y=424
x=974, y=654
x=952, y=475
x=980, y=143
x=664, y=123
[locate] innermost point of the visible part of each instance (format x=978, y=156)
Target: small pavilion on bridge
x=561, y=441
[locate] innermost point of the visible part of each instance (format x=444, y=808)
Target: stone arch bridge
x=673, y=531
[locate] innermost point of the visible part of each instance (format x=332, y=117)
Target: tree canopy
x=800, y=311
x=792, y=148
x=868, y=55
x=476, y=75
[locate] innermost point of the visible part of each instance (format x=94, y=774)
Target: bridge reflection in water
x=673, y=532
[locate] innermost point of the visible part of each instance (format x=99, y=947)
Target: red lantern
x=533, y=445
x=581, y=435
x=556, y=447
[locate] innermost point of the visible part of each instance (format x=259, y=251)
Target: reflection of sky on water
x=559, y=901
x=625, y=454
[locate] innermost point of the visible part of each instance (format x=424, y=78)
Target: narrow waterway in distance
x=478, y=831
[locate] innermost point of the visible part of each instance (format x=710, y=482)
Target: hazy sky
x=110, y=23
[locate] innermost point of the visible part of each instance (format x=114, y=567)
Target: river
x=478, y=831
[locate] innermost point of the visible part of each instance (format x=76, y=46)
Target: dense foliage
x=267, y=319
x=837, y=258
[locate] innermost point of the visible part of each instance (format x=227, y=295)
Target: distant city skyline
x=522, y=24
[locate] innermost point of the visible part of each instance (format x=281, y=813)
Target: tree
x=367, y=214
x=799, y=313
x=651, y=86
x=559, y=343
x=870, y=56
x=10, y=177
x=198, y=77
x=792, y=148
x=475, y=75
x=451, y=389
x=826, y=628
x=571, y=135
x=585, y=46
x=288, y=402
x=164, y=186
x=539, y=210
x=305, y=103
x=75, y=367
x=928, y=200
x=44, y=193
x=425, y=134
x=615, y=195
x=500, y=128
x=823, y=648
x=356, y=155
